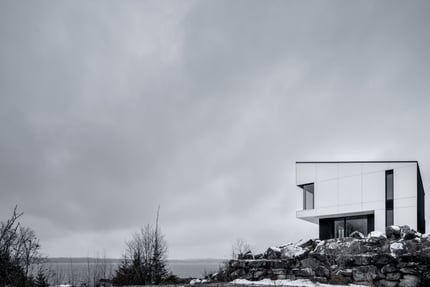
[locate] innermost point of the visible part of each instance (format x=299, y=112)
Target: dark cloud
x=109, y=109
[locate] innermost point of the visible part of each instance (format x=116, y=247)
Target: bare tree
x=145, y=258
x=240, y=247
x=19, y=249
x=159, y=254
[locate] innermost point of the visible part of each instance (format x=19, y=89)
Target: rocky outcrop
x=398, y=258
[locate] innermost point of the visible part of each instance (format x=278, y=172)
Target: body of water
x=79, y=271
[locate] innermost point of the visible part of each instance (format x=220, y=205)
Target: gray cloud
x=108, y=109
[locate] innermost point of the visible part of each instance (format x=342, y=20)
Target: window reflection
x=356, y=224
x=344, y=226
x=339, y=228
x=308, y=196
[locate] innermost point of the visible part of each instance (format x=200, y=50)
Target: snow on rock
x=195, y=282
x=376, y=234
x=357, y=235
x=275, y=249
x=396, y=246
x=286, y=282
x=290, y=251
x=395, y=227
x=376, y=237
x=393, y=232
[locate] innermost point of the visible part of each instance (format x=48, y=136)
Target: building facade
x=342, y=197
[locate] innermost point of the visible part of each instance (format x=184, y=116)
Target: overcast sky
x=111, y=108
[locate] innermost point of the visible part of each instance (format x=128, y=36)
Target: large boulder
x=397, y=248
x=292, y=251
x=310, y=262
x=303, y=272
x=338, y=279
x=411, y=234
x=407, y=233
x=322, y=271
x=389, y=268
x=395, y=276
x=357, y=235
x=362, y=259
x=409, y=281
x=273, y=253
x=393, y=232
x=279, y=271
x=258, y=274
x=247, y=255
x=376, y=237
x=383, y=259
x=387, y=283
x=310, y=244
x=364, y=273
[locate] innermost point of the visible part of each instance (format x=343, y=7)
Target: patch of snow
x=195, y=281
x=376, y=234
x=333, y=245
x=349, y=243
x=286, y=282
x=396, y=246
x=292, y=251
x=320, y=243
x=395, y=227
x=276, y=249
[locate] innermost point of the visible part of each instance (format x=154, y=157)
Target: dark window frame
x=327, y=228
x=305, y=207
x=389, y=203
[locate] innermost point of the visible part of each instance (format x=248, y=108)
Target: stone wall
x=401, y=257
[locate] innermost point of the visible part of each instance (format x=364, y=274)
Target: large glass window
x=344, y=226
x=356, y=224
x=308, y=196
x=339, y=227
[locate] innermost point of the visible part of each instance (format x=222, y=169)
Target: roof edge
x=362, y=161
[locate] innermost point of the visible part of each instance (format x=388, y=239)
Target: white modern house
x=342, y=197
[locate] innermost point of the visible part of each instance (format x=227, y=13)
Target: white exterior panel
x=380, y=219
x=406, y=216
x=305, y=173
x=405, y=182
x=349, y=188
x=326, y=171
x=373, y=184
x=326, y=194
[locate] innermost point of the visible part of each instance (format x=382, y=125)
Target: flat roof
x=362, y=161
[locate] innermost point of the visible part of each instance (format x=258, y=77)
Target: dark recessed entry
x=343, y=226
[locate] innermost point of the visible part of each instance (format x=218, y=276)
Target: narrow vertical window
x=308, y=196
x=389, y=197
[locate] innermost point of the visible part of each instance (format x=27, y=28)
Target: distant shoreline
x=119, y=260
x=183, y=268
